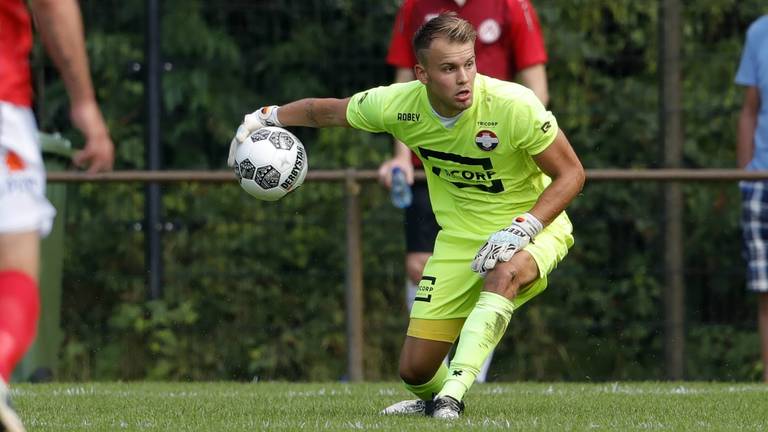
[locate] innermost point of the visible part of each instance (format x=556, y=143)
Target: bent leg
x=488, y=321
x=421, y=358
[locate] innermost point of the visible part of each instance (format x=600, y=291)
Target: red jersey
x=509, y=35
x=15, y=46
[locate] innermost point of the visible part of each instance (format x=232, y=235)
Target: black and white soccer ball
x=271, y=163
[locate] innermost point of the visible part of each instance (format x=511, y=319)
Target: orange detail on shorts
x=14, y=162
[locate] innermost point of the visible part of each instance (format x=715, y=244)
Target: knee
x=415, y=374
x=509, y=277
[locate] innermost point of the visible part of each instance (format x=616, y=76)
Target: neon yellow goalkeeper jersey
x=480, y=172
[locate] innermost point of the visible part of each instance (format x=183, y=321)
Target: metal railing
x=352, y=179
x=223, y=176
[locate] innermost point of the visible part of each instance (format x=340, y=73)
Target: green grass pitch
x=339, y=406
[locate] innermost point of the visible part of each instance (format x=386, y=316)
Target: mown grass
x=339, y=406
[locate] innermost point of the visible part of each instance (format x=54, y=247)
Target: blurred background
x=255, y=290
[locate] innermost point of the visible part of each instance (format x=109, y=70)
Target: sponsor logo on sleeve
x=546, y=126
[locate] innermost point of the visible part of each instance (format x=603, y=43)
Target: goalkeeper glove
x=503, y=244
x=262, y=117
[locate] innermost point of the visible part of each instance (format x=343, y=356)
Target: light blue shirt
x=753, y=72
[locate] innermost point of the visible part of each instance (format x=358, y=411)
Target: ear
x=421, y=73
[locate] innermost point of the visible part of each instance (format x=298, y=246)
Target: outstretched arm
x=311, y=112
x=314, y=112
x=61, y=30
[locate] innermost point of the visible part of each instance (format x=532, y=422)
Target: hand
x=385, y=170
x=503, y=244
x=262, y=117
x=99, y=152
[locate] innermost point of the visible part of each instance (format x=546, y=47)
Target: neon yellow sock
x=429, y=389
x=482, y=330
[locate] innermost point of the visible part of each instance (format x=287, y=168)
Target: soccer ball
x=270, y=163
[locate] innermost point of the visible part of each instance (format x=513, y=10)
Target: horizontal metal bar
x=176, y=176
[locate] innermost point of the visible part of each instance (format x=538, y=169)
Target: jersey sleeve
x=400, y=52
x=525, y=35
x=747, y=72
x=536, y=128
x=365, y=110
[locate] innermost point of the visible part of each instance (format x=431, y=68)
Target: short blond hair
x=447, y=24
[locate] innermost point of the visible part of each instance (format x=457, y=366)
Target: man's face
x=448, y=70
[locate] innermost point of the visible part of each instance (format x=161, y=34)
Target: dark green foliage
x=256, y=289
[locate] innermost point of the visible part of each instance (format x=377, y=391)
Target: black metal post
x=152, y=95
x=670, y=97
x=354, y=281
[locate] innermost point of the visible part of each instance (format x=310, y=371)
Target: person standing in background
x=25, y=213
x=752, y=154
x=510, y=47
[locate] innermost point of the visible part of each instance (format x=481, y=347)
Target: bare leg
x=414, y=265
x=762, y=323
x=20, y=251
x=420, y=359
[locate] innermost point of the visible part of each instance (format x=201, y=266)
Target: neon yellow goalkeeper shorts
x=449, y=289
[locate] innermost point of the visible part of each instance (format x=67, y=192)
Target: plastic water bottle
x=400, y=193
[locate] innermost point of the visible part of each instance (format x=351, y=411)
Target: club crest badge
x=486, y=140
x=489, y=31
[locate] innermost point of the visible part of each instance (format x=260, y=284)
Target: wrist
x=269, y=114
x=530, y=223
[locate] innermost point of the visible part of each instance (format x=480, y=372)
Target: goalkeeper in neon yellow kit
x=500, y=174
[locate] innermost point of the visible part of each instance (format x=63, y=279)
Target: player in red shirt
x=509, y=46
x=25, y=213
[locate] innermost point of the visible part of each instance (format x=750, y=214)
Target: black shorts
x=420, y=225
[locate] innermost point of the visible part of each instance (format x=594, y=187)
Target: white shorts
x=23, y=205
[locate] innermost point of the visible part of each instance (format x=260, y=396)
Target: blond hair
x=447, y=24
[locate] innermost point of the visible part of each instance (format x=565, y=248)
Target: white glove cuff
x=269, y=115
x=531, y=225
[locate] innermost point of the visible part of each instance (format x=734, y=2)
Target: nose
x=462, y=76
